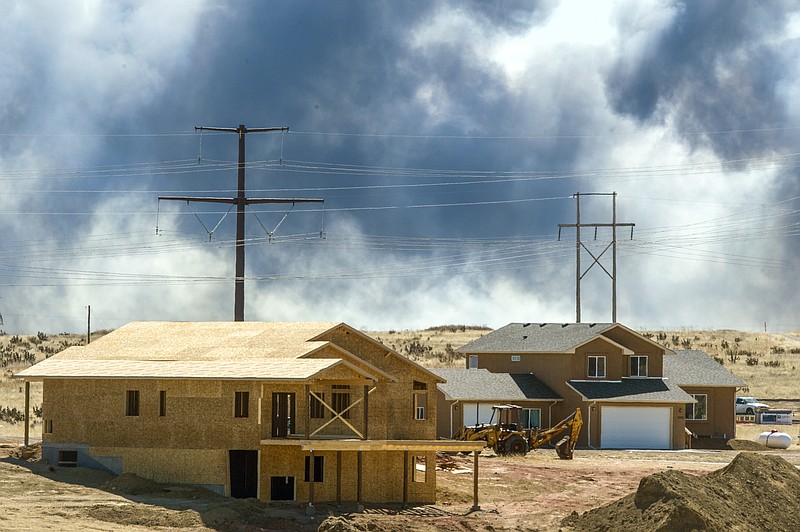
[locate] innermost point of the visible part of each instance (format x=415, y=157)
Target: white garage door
x=475, y=413
x=635, y=427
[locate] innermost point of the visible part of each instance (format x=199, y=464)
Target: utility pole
x=241, y=201
x=88, y=324
x=579, y=244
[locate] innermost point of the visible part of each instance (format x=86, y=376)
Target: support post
x=310, y=507
x=338, y=478
x=578, y=259
x=27, y=412
x=308, y=413
x=359, y=484
x=405, y=478
x=366, y=412
x=475, y=505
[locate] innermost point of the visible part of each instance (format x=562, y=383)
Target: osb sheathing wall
x=382, y=475
x=199, y=414
x=181, y=466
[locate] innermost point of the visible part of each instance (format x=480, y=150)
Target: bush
x=751, y=361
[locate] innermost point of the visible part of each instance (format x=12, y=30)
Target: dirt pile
x=130, y=484
x=753, y=492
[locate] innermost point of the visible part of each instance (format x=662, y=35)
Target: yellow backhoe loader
x=504, y=435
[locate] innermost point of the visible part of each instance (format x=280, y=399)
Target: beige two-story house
x=633, y=392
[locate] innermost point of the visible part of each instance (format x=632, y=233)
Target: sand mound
x=753, y=492
x=131, y=484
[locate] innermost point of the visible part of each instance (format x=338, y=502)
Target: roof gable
x=536, y=338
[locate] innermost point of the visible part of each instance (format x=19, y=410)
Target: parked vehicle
x=749, y=405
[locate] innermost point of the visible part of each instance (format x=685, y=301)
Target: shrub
x=751, y=361
x=772, y=364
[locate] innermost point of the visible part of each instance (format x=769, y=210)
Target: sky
x=447, y=138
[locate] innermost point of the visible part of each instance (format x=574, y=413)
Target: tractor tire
x=515, y=444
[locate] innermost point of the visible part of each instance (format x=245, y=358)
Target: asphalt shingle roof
x=644, y=390
x=697, y=368
x=536, y=338
x=483, y=385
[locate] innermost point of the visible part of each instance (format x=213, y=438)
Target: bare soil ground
x=535, y=492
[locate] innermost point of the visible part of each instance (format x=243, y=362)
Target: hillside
x=767, y=362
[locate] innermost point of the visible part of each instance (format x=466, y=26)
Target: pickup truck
x=749, y=405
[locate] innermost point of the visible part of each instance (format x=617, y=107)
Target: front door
x=244, y=474
x=283, y=411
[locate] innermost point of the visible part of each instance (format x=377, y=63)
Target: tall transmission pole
x=580, y=245
x=241, y=201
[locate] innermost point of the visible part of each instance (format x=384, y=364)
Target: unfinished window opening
x=162, y=403
x=473, y=362
x=420, y=405
x=319, y=469
x=132, y=402
x=341, y=400
x=597, y=366
x=241, y=404
x=420, y=385
x=697, y=411
x=316, y=410
x=420, y=471
x=48, y=426
x=283, y=414
x=68, y=458
x=638, y=366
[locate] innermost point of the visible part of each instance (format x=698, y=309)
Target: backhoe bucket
x=563, y=448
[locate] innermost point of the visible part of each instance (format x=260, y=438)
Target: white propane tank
x=775, y=439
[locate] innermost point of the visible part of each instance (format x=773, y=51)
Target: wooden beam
x=405, y=478
x=366, y=412
x=311, y=480
x=359, y=488
x=338, y=478
x=475, y=505
x=308, y=411
x=27, y=412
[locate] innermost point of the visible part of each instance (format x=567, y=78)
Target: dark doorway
x=282, y=414
x=282, y=489
x=244, y=474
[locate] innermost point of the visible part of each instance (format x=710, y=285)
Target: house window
x=698, y=411
x=420, y=469
x=241, y=404
x=530, y=418
x=316, y=410
x=68, y=458
x=48, y=426
x=597, y=366
x=162, y=403
x=420, y=405
x=319, y=471
x=341, y=400
x=132, y=402
x=515, y=358
x=638, y=366
x=473, y=362
x=420, y=385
